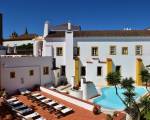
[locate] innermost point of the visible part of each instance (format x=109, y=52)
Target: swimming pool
x=110, y=100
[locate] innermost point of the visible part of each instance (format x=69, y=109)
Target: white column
x=82, y=82
x=85, y=97
x=46, y=29
x=35, y=48
x=8, y=50
x=69, y=61
x=15, y=49
x=72, y=81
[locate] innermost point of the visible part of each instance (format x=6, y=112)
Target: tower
x=1, y=28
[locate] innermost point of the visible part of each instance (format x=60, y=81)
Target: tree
x=129, y=94
x=145, y=104
x=145, y=77
x=114, y=79
x=129, y=97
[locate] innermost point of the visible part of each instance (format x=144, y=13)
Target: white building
x=94, y=54
x=24, y=72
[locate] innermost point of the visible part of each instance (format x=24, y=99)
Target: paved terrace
x=79, y=113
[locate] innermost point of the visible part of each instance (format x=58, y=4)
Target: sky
x=90, y=14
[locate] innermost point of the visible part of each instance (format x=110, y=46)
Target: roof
x=22, y=37
x=103, y=33
x=56, y=34
x=64, y=27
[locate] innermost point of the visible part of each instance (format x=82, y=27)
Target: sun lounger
x=38, y=117
x=19, y=107
x=24, y=91
x=31, y=115
x=35, y=94
x=14, y=102
x=11, y=99
x=27, y=113
x=40, y=97
x=52, y=103
x=45, y=100
x=25, y=110
x=64, y=112
x=59, y=107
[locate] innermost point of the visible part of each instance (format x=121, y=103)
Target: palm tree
x=114, y=79
x=145, y=77
x=127, y=83
x=145, y=104
x=129, y=94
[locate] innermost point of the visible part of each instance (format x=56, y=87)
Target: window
x=46, y=70
x=99, y=71
x=118, y=69
x=94, y=51
x=31, y=72
x=59, y=51
x=83, y=71
x=63, y=70
x=76, y=51
x=112, y=50
x=138, y=50
x=124, y=50
x=12, y=74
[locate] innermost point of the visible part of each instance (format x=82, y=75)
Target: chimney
x=46, y=28
x=1, y=28
x=69, y=26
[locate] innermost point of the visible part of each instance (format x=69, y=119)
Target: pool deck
x=79, y=113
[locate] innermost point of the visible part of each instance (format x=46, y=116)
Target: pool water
x=110, y=100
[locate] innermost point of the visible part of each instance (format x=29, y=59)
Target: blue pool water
x=110, y=100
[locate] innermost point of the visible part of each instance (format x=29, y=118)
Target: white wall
x=127, y=62
x=17, y=42
x=21, y=66
x=91, y=72
x=50, y=49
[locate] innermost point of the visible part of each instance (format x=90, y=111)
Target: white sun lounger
x=35, y=94
x=13, y=103
x=51, y=103
x=11, y=99
x=39, y=97
x=41, y=118
x=31, y=115
x=66, y=110
x=24, y=110
x=58, y=107
x=47, y=99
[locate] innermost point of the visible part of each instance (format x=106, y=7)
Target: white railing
x=68, y=98
x=6, y=56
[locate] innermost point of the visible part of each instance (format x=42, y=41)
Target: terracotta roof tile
x=103, y=33
x=22, y=37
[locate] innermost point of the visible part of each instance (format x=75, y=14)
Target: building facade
x=24, y=72
x=94, y=54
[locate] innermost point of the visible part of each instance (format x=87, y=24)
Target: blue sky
x=90, y=14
